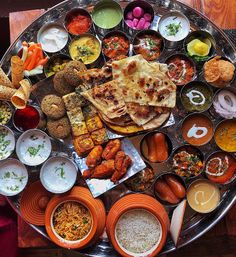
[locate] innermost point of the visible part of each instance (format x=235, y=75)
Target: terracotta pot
x=132, y=202
x=96, y=208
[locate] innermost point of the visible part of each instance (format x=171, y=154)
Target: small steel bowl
x=228, y=83
x=129, y=187
x=186, y=58
x=151, y=33
x=19, y=128
x=192, y=116
x=47, y=26
x=72, y=14
x=230, y=89
x=173, y=43
x=157, y=195
x=191, y=150
x=144, y=148
x=62, y=57
x=147, y=7
x=217, y=154
x=207, y=181
x=192, y=85
x=222, y=132
x=106, y=3
x=115, y=33
x=85, y=35
x=11, y=109
x=198, y=34
x=7, y=150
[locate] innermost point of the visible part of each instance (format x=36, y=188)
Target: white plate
x=33, y=147
x=13, y=177
x=7, y=142
x=58, y=174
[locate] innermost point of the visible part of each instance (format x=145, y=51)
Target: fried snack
x=70, y=72
x=73, y=100
x=94, y=157
x=87, y=173
x=21, y=96
x=99, y=136
x=83, y=144
x=111, y=149
x=122, y=163
x=218, y=72
x=17, y=70
x=6, y=93
x=104, y=170
x=94, y=123
x=4, y=80
x=89, y=111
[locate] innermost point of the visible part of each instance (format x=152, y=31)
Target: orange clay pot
x=96, y=208
x=137, y=201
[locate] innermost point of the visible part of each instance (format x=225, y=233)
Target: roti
x=140, y=114
x=144, y=83
x=107, y=98
x=156, y=122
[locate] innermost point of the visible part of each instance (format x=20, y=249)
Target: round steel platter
x=195, y=224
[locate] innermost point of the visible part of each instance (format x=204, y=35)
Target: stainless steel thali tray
x=195, y=224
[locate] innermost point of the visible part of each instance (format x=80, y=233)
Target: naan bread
x=107, y=98
x=144, y=83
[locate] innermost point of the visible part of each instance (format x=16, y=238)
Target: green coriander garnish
x=173, y=28
x=84, y=51
x=33, y=151
x=60, y=171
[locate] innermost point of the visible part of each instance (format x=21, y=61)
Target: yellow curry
x=86, y=48
x=225, y=135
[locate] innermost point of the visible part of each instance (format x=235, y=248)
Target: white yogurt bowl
x=7, y=142
x=13, y=177
x=58, y=174
x=33, y=147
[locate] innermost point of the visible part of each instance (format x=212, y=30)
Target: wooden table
x=222, y=13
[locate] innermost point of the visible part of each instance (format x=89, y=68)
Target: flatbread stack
x=139, y=97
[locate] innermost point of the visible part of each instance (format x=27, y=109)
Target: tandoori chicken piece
x=94, y=157
x=104, y=170
x=122, y=163
x=111, y=149
x=87, y=173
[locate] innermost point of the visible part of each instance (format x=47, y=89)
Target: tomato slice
x=226, y=177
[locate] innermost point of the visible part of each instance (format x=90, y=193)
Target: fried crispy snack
x=218, y=72
x=87, y=173
x=17, y=70
x=21, y=96
x=94, y=123
x=99, y=136
x=104, y=170
x=4, y=80
x=83, y=144
x=6, y=93
x=94, y=157
x=111, y=149
x=122, y=163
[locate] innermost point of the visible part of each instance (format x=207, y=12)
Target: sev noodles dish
x=72, y=221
